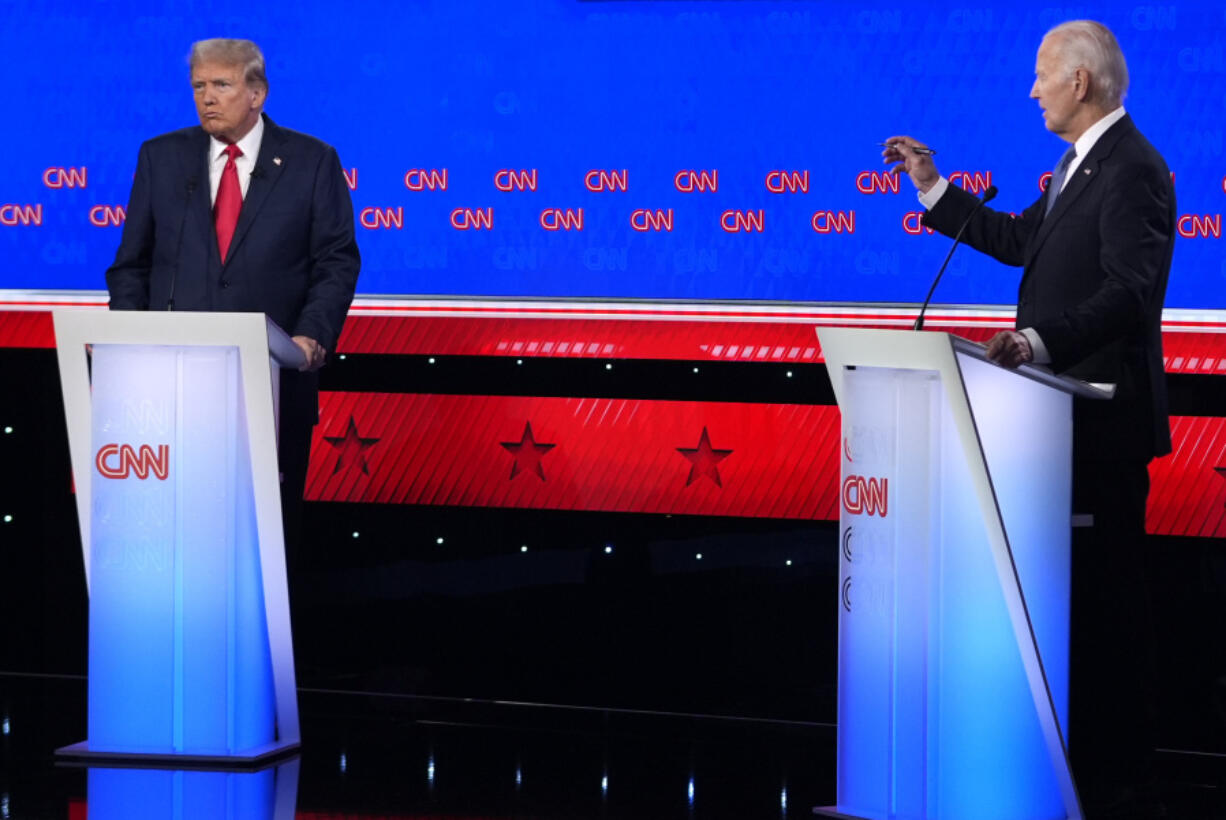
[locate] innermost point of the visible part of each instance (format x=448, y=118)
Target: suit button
x=225, y=283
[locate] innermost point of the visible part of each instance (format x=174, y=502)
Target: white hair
x=1091, y=45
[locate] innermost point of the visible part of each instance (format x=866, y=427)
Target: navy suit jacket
x=1094, y=274
x=293, y=255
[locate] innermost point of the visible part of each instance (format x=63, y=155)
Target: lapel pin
x=277, y=161
x=1086, y=172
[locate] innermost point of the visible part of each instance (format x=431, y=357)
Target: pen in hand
x=916, y=148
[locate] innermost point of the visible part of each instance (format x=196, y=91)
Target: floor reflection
x=162, y=794
x=368, y=756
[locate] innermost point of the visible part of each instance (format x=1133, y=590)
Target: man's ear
x=1081, y=84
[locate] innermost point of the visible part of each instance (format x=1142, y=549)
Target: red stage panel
x=26, y=329
x=616, y=455
x=624, y=332
x=1188, y=488
x=1195, y=352
x=625, y=455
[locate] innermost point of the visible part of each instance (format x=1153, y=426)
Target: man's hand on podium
x=1010, y=349
x=314, y=352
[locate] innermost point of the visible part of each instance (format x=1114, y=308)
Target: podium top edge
x=189, y=328
x=882, y=346
x=1039, y=373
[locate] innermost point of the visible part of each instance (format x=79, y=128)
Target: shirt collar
x=1086, y=141
x=249, y=145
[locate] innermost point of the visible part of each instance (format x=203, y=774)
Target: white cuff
x=934, y=193
x=1037, y=349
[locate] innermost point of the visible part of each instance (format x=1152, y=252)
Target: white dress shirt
x=1081, y=147
x=249, y=145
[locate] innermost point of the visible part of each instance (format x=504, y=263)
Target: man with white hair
x=1095, y=250
x=240, y=214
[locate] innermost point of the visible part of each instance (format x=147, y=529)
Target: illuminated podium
x=954, y=524
x=129, y=793
x=172, y=435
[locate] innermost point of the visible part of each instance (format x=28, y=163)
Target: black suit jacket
x=293, y=255
x=1094, y=278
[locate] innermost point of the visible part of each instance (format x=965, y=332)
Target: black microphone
x=988, y=195
x=188, y=189
x=257, y=172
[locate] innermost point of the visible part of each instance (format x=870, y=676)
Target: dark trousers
x=299, y=411
x=1112, y=686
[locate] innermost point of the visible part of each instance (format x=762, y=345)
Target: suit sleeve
x=1135, y=227
x=1000, y=235
x=127, y=279
x=335, y=260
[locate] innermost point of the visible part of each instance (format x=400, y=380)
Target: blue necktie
x=1057, y=177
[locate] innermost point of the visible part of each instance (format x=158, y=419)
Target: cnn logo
x=122, y=460
x=866, y=496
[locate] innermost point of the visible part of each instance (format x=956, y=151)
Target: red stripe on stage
x=1192, y=352
x=620, y=455
x=1187, y=493
x=623, y=455
x=623, y=333
x=31, y=329
x=616, y=455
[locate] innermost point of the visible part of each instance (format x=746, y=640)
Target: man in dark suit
x=1095, y=250
x=239, y=214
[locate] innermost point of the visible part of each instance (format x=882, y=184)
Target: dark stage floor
x=389, y=756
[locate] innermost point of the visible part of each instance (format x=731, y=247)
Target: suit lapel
x=268, y=167
x=1083, y=177
x=196, y=166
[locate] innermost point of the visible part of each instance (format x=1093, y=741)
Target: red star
x=703, y=460
x=527, y=453
x=351, y=447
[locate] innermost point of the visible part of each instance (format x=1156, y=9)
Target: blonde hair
x=231, y=52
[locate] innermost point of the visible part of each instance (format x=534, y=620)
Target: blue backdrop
x=650, y=88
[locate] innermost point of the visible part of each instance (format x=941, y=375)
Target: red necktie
x=229, y=201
